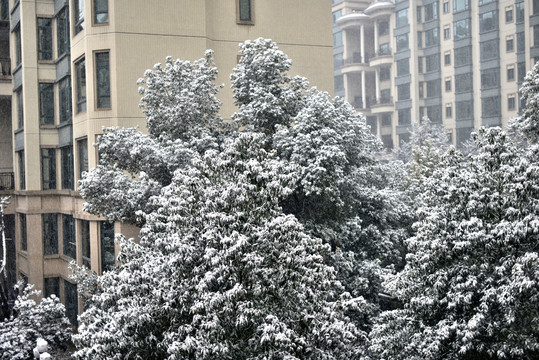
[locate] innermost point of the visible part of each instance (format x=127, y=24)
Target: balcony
x=7, y=181
x=356, y=63
x=382, y=104
x=383, y=56
x=358, y=102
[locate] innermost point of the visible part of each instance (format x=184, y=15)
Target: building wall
x=137, y=35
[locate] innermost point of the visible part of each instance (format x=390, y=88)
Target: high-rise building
x=70, y=67
x=459, y=62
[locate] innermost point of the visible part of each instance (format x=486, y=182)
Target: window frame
x=48, y=155
x=80, y=84
x=69, y=238
x=78, y=16
x=46, y=104
x=85, y=243
x=50, y=239
x=67, y=182
x=95, y=21
x=18, y=45
x=82, y=143
x=48, y=29
x=97, y=87
x=20, y=108
x=251, y=20
x=106, y=237
x=62, y=32
x=22, y=169
x=23, y=228
x=510, y=69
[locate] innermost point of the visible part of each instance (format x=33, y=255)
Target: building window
x=50, y=234
x=383, y=28
x=510, y=72
x=18, y=45
x=68, y=235
x=483, y=2
x=464, y=109
x=22, y=172
x=402, y=42
x=62, y=31
x=509, y=43
x=447, y=85
x=432, y=62
x=434, y=113
x=403, y=92
x=405, y=117
x=44, y=39
x=447, y=58
x=402, y=17
x=420, y=64
x=447, y=32
x=461, y=29
x=403, y=67
x=80, y=72
x=4, y=10
x=432, y=37
x=488, y=21
x=463, y=56
x=535, y=35
x=448, y=111
x=337, y=39
x=79, y=15
x=337, y=60
x=463, y=83
x=46, y=104
x=431, y=11
x=102, y=80
x=511, y=102
x=64, y=92
x=535, y=7
x=521, y=45
x=244, y=11
x=433, y=88
x=519, y=12
x=82, y=147
x=66, y=154
x=521, y=71
x=489, y=50
x=419, y=39
x=420, y=89
x=404, y=138
x=460, y=5
x=385, y=74
x=418, y=13
x=20, y=108
x=71, y=302
x=24, y=236
x=108, y=258
x=463, y=135
x=386, y=120
x=490, y=78
x=336, y=15
x=490, y=106
x=384, y=49
x=387, y=140
x=446, y=7
x=52, y=286
x=385, y=96
x=48, y=169
x=85, y=243
x=509, y=14
x=101, y=11
x=338, y=82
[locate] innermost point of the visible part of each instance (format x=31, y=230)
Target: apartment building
x=69, y=67
x=459, y=62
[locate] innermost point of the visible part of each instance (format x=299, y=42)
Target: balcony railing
x=5, y=67
x=358, y=103
x=358, y=59
x=383, y=100
x=7, y=181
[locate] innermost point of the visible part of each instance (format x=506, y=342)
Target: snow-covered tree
x=182, y=119
x=424, y=133
x=221, y=273
x=471, y=283
x=527, y=125
x=47, y=320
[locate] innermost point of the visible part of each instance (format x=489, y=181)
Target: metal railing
x=7, y=181
x=383, y=100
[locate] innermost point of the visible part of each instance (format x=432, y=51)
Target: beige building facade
x=459, y=62
x=73, y=67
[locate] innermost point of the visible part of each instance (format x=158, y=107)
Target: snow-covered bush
x=47, y=320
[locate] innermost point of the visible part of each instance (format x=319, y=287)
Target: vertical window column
x=62, y=31
x=24, y=236
x=102, y=74
x=80, y=73
x=50, y=234
x=44, y=39
x=66, y=154
x=108, y=257
x=85, y=243
x=20, y=108
x=64, y=92
x=46, y=104
x=22, y=170
x=82, y=147
x=48, y=169
x=68, y=236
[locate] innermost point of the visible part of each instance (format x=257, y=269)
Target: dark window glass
x=489, y=50
x=420, y=64
x=52, y=286
x=20, y=109
x=383, y=28
x=431, y=11
x=447, y=33
x=44, y=39
x=419, y=39
x=421, y=90
x=434, y=113
x=511, y=103
x=71, y=301
x=245, y=10
x=448, y=85
x=463, y=134
x=339, y=82
x=69, y=241
x=85, y=242
x=4, y=10
x=107, y=245
x=490, y=106
x=83, y=156
x=18, y=45
x=48, y=169
x=403, y=92
x=385, y=74
x=402, y=17
x=336, y=15
x=67, y=167
x=446, y=7
x=461, y=29
x=447, y=59
x=101, y=11
x=22, y=170
x=509, y=15
x=432, y=63
x=463, y=83
x=337, y=39
x=490, y=78
x=432, y=37
x=418, y=12
x=62, y=31
x=535, y=35
x=50, y=234
x=386, y=119
x=521, y=71
x=488, y=21
x=483, y=2
x=535, y=7
x=24, y=236
x=387, y=140
x=519, y=10
x=464, y=109
x=510, y=74
x=403, y=67
x=102, y=79
x=433, y=88
x=460, y=5
x=404, y=117
x=448, y=111
x=463, y=56
x=64, y=90
x=509, y=44
x=385, y=96
x=46, y=104
x=80, y=71
x=79, y=15
x=384, y=49
x=521, y=45
x=402, y=42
